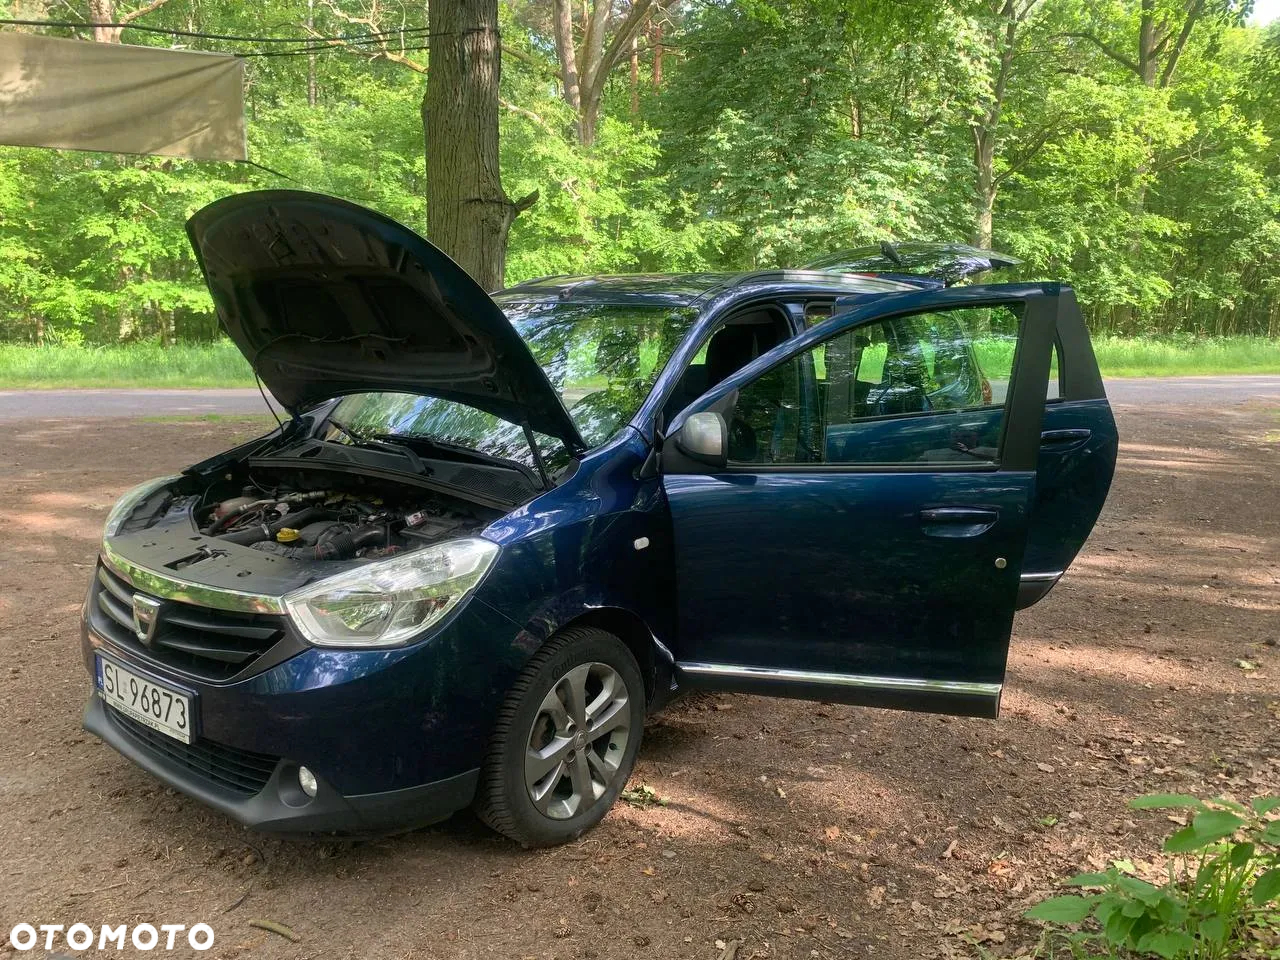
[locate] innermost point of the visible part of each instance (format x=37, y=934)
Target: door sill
x=959, y=697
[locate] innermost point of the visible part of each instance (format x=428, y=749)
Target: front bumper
x=280, y=806
x=394, y=737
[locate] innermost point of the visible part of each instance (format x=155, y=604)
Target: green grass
x=221, y=365
x=134, y=365
x=1186, y=356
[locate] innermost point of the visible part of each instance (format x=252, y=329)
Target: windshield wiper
x=375, y=443
x=478, y=455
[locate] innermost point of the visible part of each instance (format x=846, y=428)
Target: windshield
x=602, y=360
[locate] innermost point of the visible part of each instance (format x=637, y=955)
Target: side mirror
x=705, y=438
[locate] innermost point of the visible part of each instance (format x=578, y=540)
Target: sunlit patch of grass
x=132, y=365
x=1186, y=356
x=1273, y=436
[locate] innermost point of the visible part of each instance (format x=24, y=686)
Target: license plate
x=158, y=707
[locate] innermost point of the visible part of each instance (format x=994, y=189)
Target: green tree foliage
x=735, y=135
x=814, y=126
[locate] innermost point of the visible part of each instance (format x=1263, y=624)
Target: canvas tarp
x=81, y=95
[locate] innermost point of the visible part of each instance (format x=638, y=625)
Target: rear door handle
x=1065, y=438
x=969, y=516
x=957, y=522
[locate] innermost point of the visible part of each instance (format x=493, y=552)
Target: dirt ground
x=797, y=829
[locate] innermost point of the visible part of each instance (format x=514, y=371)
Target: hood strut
x=532, y=440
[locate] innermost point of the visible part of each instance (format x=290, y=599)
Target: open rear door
x=1078, y=446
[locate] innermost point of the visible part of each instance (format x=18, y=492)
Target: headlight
x=388, y=603
x=129, y=502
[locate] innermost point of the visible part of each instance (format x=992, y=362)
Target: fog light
x=307, y=781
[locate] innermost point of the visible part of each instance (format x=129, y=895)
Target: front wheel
x=565, y=741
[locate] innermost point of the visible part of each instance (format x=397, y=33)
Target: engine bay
x=331, y=524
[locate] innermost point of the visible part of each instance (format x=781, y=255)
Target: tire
x=549, y=776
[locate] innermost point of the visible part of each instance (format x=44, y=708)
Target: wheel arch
x=652, y=656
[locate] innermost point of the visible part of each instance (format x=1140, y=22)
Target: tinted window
x=919, y=388
x=601, y=358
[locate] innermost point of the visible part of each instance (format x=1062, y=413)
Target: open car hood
x=943, y=263
x=327, y=298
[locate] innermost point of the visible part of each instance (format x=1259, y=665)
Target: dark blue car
x=495, y=532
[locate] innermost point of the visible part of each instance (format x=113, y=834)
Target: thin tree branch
x=142, y=11
x=524, y=112
x=530, y=59
x=1028, y=153
x=1111, y=52
x=524, y=203
x=374, y=23
x=1193, y=15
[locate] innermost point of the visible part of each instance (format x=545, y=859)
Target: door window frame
x=699, y=338
x=1024, y=401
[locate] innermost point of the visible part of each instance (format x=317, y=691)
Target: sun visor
x=119, y=98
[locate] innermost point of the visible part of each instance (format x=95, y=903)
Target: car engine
x=317, y=525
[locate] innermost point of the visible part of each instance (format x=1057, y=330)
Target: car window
x=739, y=340
x=918, y=388
x=601, y=358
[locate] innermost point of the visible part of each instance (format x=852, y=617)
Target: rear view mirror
x=705, y=438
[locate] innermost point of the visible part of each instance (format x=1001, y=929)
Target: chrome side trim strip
x=170, y=587
x=891, y=684
x=1041, y=577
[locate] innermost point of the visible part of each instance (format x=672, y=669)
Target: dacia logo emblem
x=146, y=617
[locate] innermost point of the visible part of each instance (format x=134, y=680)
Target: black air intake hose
x=295, y=519
x=342, y=546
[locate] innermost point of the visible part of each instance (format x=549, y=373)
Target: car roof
x=689, y=289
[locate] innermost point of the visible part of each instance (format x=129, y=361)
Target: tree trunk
x=986, y=131
x=567, y=54
x=312, y=91
x=635, y=76
x=104, y=11
x=1148, y=53
x=584, y=70
x=985, y=187
x=657, y=55
x=468, y=213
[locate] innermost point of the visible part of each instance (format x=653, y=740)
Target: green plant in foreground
x=642, y=796
x=1223, y=874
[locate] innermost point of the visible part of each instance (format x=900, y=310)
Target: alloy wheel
x=577, y=741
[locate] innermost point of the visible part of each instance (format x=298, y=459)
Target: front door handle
x=953, y=522
x=959, y=515
x=1058, y=439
